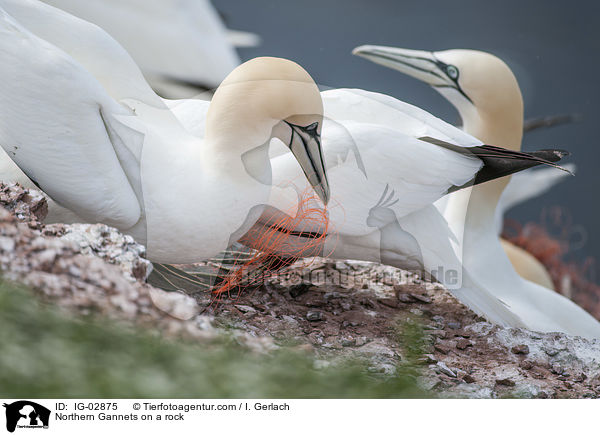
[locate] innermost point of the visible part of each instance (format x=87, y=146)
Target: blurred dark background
x=552, y=46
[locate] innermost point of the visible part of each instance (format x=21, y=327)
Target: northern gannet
x=181, y=46
x=387, y=162
x=525, y=184
x=115, y=154
x=488, y=98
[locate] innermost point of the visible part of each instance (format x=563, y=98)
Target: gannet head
x=267, y=98
x=480, y=85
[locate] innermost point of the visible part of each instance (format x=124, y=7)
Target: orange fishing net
x=279, y=240
x=550, y=243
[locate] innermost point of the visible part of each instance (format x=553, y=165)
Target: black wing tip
x=561, y=154
x=500, y=162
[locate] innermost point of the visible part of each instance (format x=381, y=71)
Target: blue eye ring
x=452, y=72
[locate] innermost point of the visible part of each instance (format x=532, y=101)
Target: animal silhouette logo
x=26, y=414
x=397, y=247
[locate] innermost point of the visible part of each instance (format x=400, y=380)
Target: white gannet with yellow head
x=486, y=93
x=387, y=163
x=123, y=159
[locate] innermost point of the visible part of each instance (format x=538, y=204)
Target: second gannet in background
x=529, y=184
x=488, y=98
x=129, y=163
x=181, y=46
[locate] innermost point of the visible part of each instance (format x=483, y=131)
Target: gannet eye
x=311, y=130
x=312, y=127
x=452, y=72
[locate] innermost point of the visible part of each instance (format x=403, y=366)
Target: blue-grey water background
x=552, y=46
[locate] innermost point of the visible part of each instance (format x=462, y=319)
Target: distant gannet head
x=267, y=98
x=481, y=86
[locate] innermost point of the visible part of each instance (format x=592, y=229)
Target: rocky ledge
x=94, y=269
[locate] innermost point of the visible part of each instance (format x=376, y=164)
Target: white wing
x=374, y=108
x=379, y=133
x=58, y=124
x=91, y=46
x=183, y=40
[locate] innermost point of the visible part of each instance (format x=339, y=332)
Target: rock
x=7, y=244
x=346, y=306
x=245, y=308
x=102, y=281
x=345, y=322
x=505, y=382
x=441, y=348
x=26, y=204
x=109, y=244
x=176, y=304
x=389, y=302
x=428, y=358
x=333, y=295
x=580, y=377
x=521, y=349
x=298, y=290
x=348, y=341
x=468, y=379
x=404, y=298
x=420, y=298
x=526, y=364
x=559, y=370
x=443, y=368
x=550, y=351
x=341, y=265
x=361, y=341
x=290, y=320
x=463, y=343
x=439, y=333
x=314, y=316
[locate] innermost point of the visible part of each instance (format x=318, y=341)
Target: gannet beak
x=422, y=65
x=305, y=145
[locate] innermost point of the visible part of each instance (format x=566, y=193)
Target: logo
x=26, y=414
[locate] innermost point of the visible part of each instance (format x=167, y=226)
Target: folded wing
x=60, y=126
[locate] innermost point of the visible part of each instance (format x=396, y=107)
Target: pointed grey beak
x=419, y=64
x=305, y=145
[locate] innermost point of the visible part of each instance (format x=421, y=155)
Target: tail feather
x=498, y=162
